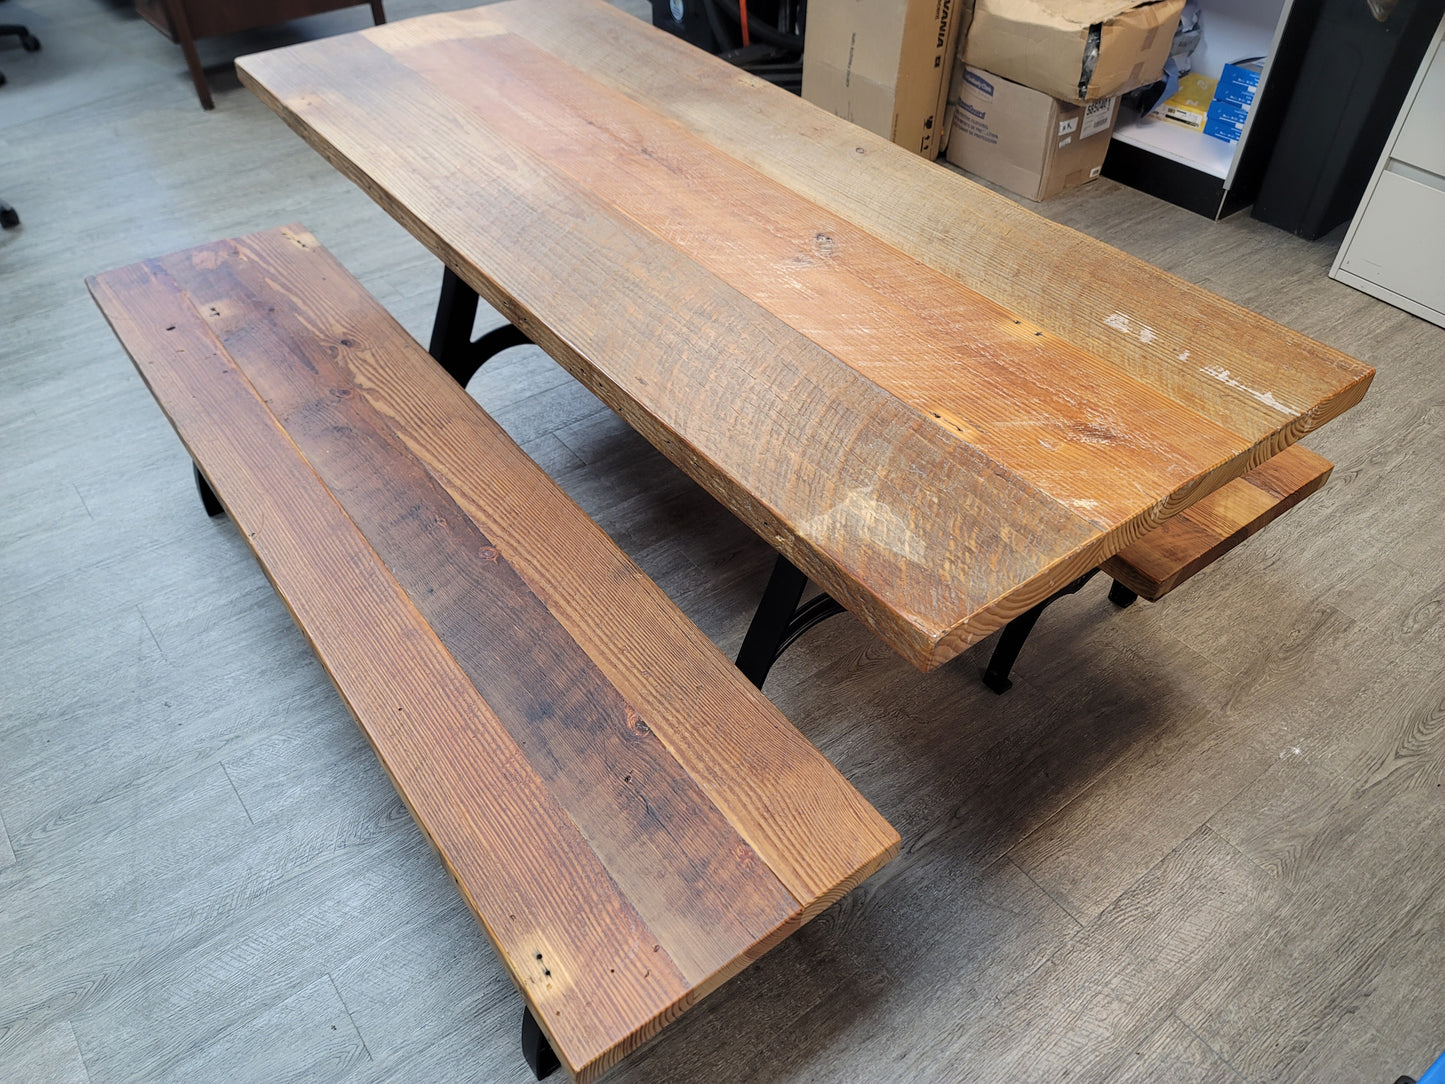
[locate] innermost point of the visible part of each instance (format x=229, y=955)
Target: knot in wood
x=487, y=553
x=635, y=723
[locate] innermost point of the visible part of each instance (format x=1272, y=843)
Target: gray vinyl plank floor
x=1202, y=840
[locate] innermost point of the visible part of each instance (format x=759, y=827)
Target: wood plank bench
x=630, y=820
x=1185, y=544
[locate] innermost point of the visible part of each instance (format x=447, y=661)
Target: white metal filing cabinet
x=1395, y=248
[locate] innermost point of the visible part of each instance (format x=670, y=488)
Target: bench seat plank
x=619, y=880
x=672, y=853
x=1201, y=534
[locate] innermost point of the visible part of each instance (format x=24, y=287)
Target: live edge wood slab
x=631, y=821
x=938, y=405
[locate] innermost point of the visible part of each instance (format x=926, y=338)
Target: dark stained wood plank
x=1201, y=534
x=1211, y=355
x=479, y=797
x=808, y=824
x=915, y=549
x=258, y=349
x=698, y=887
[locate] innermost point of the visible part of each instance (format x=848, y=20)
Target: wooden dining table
x=935, y=404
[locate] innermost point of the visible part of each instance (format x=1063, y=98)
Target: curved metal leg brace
x=1006, y=653
x=535, y=1048
x=779, y=620
x=451, y=333
x=209, y=501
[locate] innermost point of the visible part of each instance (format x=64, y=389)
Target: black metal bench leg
x=1122, y=596
x=779, y=620
x=535, y=1048
x=1011, y=642
x=451, y=333
x=209, y=501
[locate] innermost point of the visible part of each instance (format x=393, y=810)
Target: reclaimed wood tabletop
x=939, y=405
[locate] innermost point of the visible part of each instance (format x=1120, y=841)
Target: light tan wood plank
x=1090, y=436
x=1211, y=355
x=917, y=551
x=1032, y=417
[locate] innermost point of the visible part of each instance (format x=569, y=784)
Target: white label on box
x=1065, y=142
x=1066, y=127
x=1098, y=116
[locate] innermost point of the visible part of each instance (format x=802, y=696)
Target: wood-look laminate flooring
x=1201, y=840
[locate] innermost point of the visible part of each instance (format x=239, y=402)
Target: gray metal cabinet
x=1395, y=248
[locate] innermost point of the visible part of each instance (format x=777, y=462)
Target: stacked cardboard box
x=884, y=64
x=1020, y=138
x=1034, y=95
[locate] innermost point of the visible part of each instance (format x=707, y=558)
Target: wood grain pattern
x=612, y=881
x=732, y=741
x=146, y=915
x=938, y=452
x=1115, y=306
x=902, y=549
x=692, y=879
x=1201, y=534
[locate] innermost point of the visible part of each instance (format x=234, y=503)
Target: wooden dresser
x=187, y=21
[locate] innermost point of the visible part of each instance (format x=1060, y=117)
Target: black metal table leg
x=451, y=334
x=1122, y=596
x=1011, y=642
x=536, y=1049
x=451, y=330
x=779, y=620
x=1006, y=651
x=209, y=501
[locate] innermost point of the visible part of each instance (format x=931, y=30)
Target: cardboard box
x=1189, y=105
x=1076, y=50
x=1022, y=139
x=884, y=64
